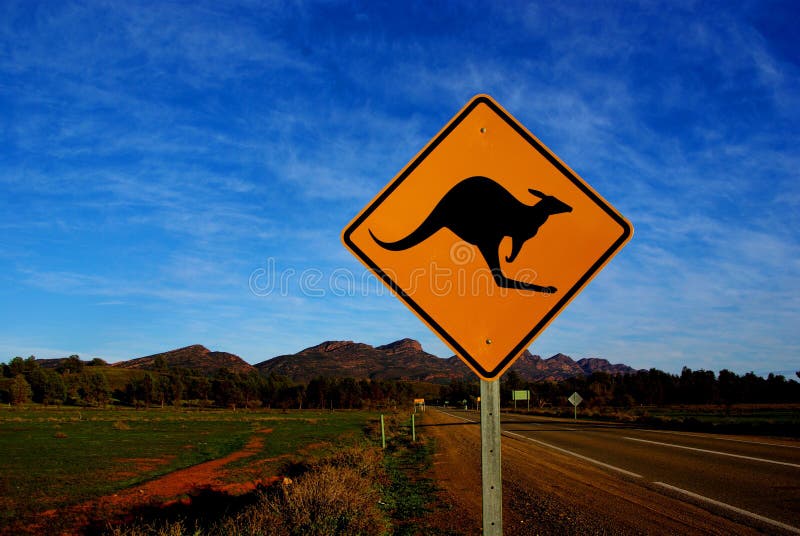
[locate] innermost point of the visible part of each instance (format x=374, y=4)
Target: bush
x=334, y=496
x=327, y=501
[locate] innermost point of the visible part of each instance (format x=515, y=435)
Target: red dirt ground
x=162, y=491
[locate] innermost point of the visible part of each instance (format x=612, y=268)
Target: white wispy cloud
x=157, y=156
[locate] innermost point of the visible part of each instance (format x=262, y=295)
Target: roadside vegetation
x=68, y=470
x=74, y=382
x=358, y=490
x=84, y=431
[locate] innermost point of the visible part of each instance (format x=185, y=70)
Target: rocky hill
x=401, y=360
x=594, y=364
x=195, y=357
x=406, y=360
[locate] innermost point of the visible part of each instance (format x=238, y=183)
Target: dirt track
x=160, y=491
x=545, y=492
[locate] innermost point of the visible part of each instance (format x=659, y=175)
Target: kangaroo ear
x=537, y=193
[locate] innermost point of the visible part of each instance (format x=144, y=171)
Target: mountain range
x=400, y=360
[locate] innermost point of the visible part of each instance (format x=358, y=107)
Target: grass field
x=54, y=459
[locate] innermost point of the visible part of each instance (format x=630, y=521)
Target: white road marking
x=706, y=436
x=565, y=451
x=747, y=513
x=576, y=455
x=670, y=432
x=524, y=421
x=759, y=443
x=456, y=416
x=675, y=489
x=718, y=453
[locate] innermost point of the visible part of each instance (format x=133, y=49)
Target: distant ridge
x=195, y=357
x=406, y=360
x=401, y=360
x=594, y=364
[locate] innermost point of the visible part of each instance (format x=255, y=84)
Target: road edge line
x=727, y=506
x=719, y=453
x=576, y=455
x=702, y=435
x=559, y=449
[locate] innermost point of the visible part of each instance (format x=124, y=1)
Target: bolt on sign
x=486, y=235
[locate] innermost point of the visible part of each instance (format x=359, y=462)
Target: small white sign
x=575, y=399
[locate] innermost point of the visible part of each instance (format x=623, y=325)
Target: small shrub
x=367, y=462
x=324, y=502
x=60, y=435
x=121, y=425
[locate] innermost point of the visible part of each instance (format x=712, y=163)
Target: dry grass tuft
x=121, y=425
x=324, y=502
x=175, y=528
x=337, y=495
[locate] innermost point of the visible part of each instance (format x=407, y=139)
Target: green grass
x=297, y=437
x=117, y=377
x=62, y=456
x=54, y=458
x=410, y=496
x=342, y=477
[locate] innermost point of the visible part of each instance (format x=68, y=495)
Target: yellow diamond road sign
x=486, y=236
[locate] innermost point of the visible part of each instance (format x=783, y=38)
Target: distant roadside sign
x=575, y=399
x=521, y=395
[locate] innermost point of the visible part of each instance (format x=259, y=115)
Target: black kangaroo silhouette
x=481, y=212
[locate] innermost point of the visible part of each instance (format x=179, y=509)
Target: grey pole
x=490, y=459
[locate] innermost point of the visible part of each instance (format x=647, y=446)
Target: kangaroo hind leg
x=492, y=258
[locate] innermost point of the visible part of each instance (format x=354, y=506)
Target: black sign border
x=627, y=231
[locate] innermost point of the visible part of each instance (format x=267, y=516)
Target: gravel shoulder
x=545, y=492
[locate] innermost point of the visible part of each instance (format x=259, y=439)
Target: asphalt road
x=745, y=478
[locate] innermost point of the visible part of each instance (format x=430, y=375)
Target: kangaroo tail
x=423, y=232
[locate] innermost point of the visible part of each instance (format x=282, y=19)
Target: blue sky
x=160, y=159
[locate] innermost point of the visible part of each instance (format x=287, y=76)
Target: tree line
x=75, y=382
x=645, y=387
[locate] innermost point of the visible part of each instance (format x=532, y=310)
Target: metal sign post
x=491, y=475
